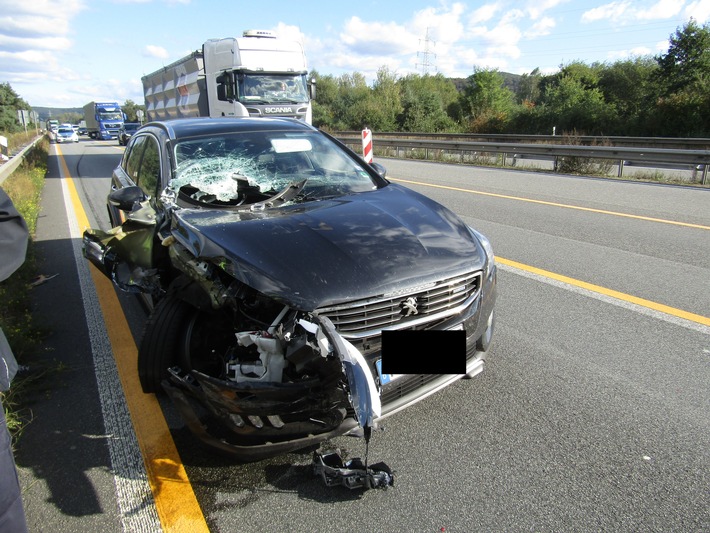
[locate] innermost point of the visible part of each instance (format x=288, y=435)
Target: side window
x=134, y=158
x=149, y=170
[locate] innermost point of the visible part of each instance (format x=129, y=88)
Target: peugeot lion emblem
x=409, y=306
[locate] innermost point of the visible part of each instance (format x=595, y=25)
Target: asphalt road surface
x=592, y=414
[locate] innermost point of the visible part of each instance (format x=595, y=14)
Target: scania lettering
x=278, y=110
x=254, y=75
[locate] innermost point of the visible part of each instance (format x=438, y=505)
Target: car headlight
x=488, y=248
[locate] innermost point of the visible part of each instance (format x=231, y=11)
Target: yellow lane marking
x=554, y=204
x=175, y=501
x=661, y=308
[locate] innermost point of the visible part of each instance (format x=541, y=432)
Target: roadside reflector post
x=367, y=145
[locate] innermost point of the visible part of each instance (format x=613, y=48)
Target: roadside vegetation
x=24, y=187
x=667, y=95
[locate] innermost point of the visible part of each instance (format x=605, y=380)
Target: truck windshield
x=271, y=88
x=110, y=115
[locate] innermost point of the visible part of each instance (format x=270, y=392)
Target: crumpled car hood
x=315, y=254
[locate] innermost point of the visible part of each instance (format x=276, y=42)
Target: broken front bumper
x=257, y=420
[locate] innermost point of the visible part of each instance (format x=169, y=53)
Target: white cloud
x=625, y=11
x=378, y=38
x=287, y=31
x=152, y=50
x=537, y=8
x=15, y=44
x=443, y=26
x=662, y=46
x=610, y=11
x=699, y=10
x=624, y=54
x=662, y=9
x=543, y=27
x=33, y=36
x=37, y=17
x=484, y=13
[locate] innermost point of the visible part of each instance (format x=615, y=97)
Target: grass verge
x=24, y=187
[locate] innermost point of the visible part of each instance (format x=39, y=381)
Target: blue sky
x=64, y=53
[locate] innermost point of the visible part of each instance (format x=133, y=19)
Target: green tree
x=627, y=85
x=10, y=104
x=528, y=91
x=385, y=102
x=70, y=118
x=130, y=108
x=351, y=108
x=426, y=103
x=683, y=78
x=486, y=103
x=687, y=63
x=325, y=102
x=570, y=106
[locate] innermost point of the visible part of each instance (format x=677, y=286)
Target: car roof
x=191, y=127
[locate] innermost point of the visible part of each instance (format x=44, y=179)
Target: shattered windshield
x=251, y=168
x=272, y=88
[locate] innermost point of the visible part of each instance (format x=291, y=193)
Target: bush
x=586, y=166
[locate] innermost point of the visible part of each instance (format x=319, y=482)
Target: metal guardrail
x=698, y=159
x=9, y=167
x=681, y=143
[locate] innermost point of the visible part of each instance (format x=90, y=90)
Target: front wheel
x=179, y=334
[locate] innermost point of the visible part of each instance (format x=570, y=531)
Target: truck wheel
x=178, y=334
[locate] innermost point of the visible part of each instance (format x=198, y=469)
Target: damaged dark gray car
x=275, y=258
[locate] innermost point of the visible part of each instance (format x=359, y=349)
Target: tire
x=178, y=334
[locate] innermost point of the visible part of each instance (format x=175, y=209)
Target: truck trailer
x=104, y=120
x=258, y=75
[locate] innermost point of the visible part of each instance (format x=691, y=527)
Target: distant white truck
x=258, y=75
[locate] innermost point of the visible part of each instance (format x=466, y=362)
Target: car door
x=126, y=253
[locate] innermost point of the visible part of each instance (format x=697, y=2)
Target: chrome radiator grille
x=423, y=305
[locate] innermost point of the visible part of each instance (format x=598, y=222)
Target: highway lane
x=593, y=411
x=649, y=257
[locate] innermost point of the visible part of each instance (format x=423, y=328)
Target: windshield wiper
x=286, y=100
x=286, y=194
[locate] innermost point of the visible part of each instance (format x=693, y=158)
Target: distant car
x=276, y=259
x=127, y=131
x=66, y=134
x=83, y=131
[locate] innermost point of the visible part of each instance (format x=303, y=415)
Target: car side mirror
x=381, y=170
x=127, y=198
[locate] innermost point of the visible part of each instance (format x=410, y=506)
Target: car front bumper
x=262, y=421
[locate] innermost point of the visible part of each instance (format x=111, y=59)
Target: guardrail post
x=621, y=168
x=705, y=174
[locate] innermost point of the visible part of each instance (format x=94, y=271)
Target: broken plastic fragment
x=352, y=474
x=365, y=397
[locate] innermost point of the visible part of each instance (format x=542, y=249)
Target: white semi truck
x=256, y=75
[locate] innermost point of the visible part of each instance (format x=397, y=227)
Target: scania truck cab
x=256, y=75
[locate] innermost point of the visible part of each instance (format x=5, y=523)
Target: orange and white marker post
x=367, y=145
